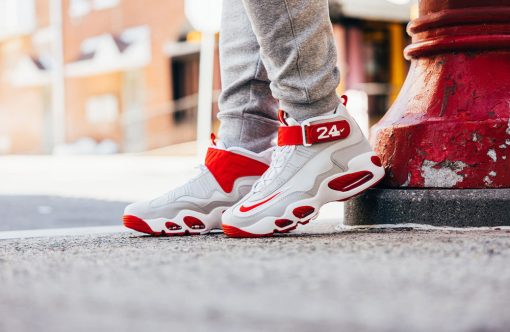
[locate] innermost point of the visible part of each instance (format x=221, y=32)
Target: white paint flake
x=492, y=154
x=446, y=176
x=507, y=142
x=487, y=180
x=502, y=146
x=492, y=173
x=408, y=180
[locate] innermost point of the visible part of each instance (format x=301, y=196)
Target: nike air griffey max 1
x=197, y=206
x=320, y=160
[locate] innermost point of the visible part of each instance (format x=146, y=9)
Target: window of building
x=79, y=8
x=185, y=87
x=102, y=109
x=41, y=43
x=16, y=17
x=104, y=4
x=375, y=65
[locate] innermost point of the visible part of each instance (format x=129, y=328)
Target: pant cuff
x=301, y=112
x=250, y=132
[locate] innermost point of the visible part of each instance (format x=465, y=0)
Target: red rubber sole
x=235, y=232
x=232, y=231
x=139, y=225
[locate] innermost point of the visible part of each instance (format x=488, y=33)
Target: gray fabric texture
x=270, y=51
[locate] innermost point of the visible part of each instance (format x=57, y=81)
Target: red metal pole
x=450, y=125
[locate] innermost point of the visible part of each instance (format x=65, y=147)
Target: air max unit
x=197, y=206
x=320, y=160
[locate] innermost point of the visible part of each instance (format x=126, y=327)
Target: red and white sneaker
x=321, y=160
x=197, y=206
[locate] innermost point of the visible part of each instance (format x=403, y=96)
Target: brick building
x=130, y=74
x=130, y=69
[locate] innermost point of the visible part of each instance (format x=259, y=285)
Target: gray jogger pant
x=274, y=50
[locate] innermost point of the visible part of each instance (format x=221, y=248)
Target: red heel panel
x=227, y=167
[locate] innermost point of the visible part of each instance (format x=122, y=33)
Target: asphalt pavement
x=322, y=279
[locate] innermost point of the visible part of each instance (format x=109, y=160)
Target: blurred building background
x=106, y=76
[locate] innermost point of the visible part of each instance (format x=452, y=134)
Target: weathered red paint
x=450, y=127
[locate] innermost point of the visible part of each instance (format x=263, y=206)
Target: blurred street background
x=106, y=76
x=99, y=107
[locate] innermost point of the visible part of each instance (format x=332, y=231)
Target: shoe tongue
x=285, y=120
x=291, y=122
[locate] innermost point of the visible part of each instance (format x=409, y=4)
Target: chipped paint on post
x=492, y=154
x=444, y=175
x=405, y=184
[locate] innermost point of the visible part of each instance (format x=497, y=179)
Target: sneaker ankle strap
x=308, y=134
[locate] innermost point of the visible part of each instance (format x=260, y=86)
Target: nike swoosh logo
x=243, y=208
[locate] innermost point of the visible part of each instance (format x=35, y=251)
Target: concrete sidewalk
x=388, y=279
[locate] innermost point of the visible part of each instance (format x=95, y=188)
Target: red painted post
x=450, y=125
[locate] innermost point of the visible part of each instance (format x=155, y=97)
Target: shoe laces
x=278, y=159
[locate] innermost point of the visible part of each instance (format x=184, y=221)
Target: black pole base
x=437, y=207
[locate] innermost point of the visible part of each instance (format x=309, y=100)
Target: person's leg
x=247, y=108
x=298, y=48
x=232, y=165
x=322, y=155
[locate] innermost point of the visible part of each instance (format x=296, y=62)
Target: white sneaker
x=197, y=206
x=321, y=160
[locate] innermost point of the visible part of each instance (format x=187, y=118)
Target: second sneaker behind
x=196, y=206
x=320, y=160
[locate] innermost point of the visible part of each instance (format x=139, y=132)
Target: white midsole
x=324, y=195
